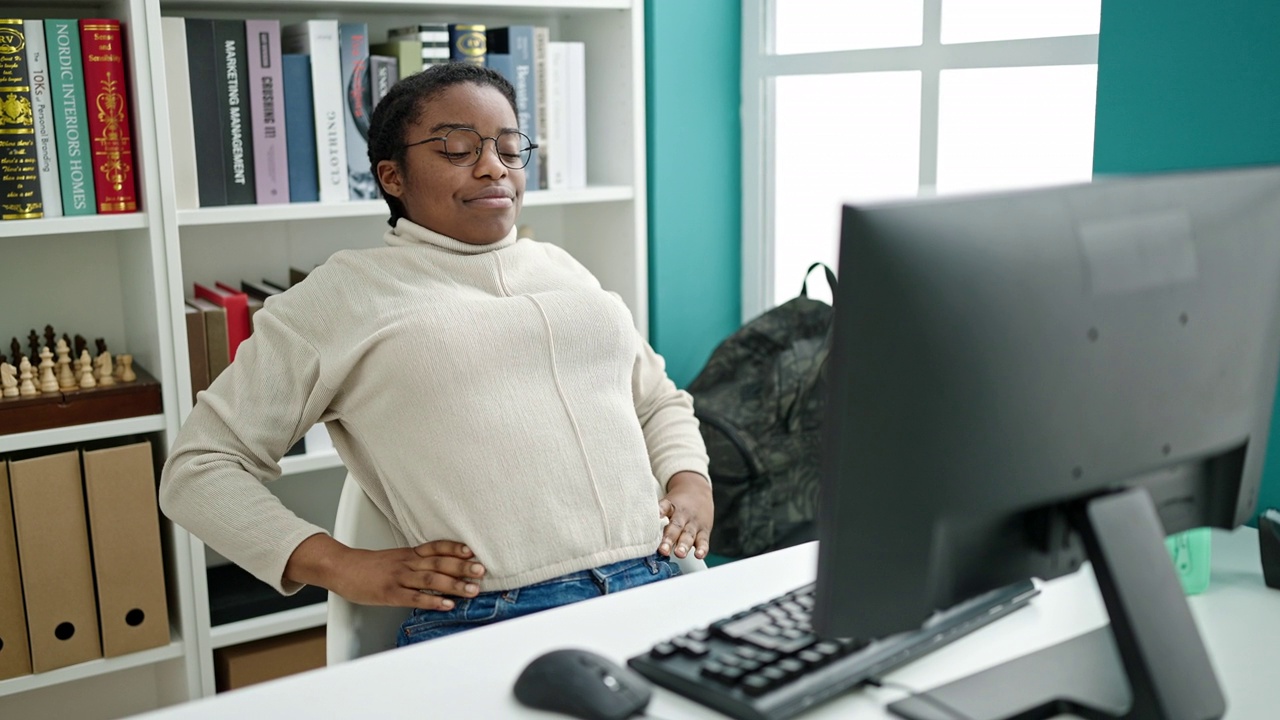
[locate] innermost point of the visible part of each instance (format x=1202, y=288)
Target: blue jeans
x=491, y=607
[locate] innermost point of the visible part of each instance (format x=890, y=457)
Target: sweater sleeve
x=212, y=483
x=666, y=418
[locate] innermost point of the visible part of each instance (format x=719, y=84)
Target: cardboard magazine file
x=15, y=652
x=237, y=666
x=53, y=550
x=124, y=532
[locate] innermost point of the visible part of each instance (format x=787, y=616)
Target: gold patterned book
x=19, y=153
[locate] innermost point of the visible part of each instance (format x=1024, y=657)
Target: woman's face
x=477, y=204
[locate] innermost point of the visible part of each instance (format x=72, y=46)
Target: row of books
x=282, y=112
x=81, y=569
x=65, y=136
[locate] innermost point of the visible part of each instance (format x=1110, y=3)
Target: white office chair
x=357, y=630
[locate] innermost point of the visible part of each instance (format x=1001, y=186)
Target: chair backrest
x=357, y=630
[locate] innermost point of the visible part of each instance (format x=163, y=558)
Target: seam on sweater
x=573, y=421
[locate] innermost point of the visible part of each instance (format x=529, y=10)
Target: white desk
x=470, y=675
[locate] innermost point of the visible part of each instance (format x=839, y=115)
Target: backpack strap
x=741, y=441
x=831, y=279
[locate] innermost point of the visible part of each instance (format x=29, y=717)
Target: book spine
x=518, y=42
x=19, y=154
x=266, y=105
x=466, y=44
x=319, y=39
x=42, y=112
x=557, y=116
x=357, y=106
x=181, y=123
x=233, y=111
x=577, y=87
x=107, y=95
x=300, y=128
x=383, y=73
x=408, y=55
x=202, y=73
x=66, y=80
x=541, y=36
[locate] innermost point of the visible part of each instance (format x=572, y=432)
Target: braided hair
x=405, y=102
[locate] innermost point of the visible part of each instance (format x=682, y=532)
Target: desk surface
x=470, y=675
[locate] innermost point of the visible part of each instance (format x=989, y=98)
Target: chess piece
x=86, y=371
x=126, y=369
x=15, y=352
x=79, y=346
x=48, y=382
x=33, y=342
x=8, y=383
x=106, y=376
x=66, y=380
x=49, y=336
x=101, y=345
x=27, y=388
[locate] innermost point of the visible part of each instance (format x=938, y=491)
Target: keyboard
x=766, y=663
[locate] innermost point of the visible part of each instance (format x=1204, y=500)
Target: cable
x=924, y=697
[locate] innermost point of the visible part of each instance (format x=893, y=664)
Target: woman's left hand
x=691, y=512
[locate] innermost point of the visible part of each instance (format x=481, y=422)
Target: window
x=869, y=100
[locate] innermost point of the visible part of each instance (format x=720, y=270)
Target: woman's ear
x=390, y=177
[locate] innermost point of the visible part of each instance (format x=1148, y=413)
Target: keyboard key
x=741, y=627
x=755, y=685
x=663, y=650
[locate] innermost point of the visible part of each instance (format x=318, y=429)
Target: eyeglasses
x=463, y=146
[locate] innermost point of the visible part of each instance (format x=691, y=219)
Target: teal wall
x=693, y=76
x=1191, y=84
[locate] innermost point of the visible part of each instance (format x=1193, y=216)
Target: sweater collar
x=406, y=233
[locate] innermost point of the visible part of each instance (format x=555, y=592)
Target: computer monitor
x=1025, y=380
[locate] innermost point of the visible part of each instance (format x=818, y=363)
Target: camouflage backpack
x=760, y=401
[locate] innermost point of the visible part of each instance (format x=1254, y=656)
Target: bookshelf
x=125, y=277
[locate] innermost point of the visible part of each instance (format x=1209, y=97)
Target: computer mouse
x=582, y=684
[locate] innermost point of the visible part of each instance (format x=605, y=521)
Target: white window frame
x=760, y=67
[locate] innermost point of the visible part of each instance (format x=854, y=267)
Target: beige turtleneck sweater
x=494, y=395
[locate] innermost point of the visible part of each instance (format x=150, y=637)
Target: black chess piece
x=81, y=344
x=101, y=345
x=50, y=337
x=15, y=349
x=33, y=341
x=66, y=339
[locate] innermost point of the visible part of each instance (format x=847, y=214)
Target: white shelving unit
x=124, y=278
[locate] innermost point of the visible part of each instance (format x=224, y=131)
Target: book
x=383, y=73
x=266, y=111
x=353, y=38
x=505, y=65
x=19, y=153
x=319, y=39
x=577, y=87
x=66, y=83
x=203, y=80
x=541, y=36
x=182, y=146
x=422, y=32
x=42, y=113
x=237, y=307
x=197, y=350
x=517, y=42
x=407, y=53
x=217, y=340
x=300, y=128
x=232, y=69
x=557, y=116
x=107, y=95
x=466, y=43
x=259, y=290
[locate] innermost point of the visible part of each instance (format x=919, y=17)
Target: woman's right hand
x=416, y=577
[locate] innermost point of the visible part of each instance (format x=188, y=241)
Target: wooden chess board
x=77, y=407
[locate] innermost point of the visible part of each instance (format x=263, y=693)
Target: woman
x=492, y=400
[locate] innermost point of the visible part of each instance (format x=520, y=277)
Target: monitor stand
x=1152, y=635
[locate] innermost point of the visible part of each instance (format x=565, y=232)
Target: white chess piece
x=106, y=375
x=86, y=371
x=66, y=379
x=27, y=388
x=48, y=382
x=126, y=368
x=8, y=381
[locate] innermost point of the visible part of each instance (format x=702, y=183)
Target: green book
x=408, y=54
x=66, y=81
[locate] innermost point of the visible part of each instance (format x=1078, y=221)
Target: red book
x=237, y=307
x=106, y=99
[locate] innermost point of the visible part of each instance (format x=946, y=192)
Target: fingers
x=409, y=597
x=457, y=567
x=685, y=542
x=666, y=508
x=702, y=545
x=443, y=547
x=670, y=534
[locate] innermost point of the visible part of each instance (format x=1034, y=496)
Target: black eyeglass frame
x=526, y=152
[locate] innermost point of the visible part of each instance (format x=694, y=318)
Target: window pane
x=966, y=21
x=809, y=26
x=837, y=138
x=1015, y=127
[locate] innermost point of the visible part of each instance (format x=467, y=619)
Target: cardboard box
x=15, y=652
x=124, y=532
x=53, y=550
x=261, y=660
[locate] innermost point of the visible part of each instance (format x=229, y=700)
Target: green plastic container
x=1190, y=553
